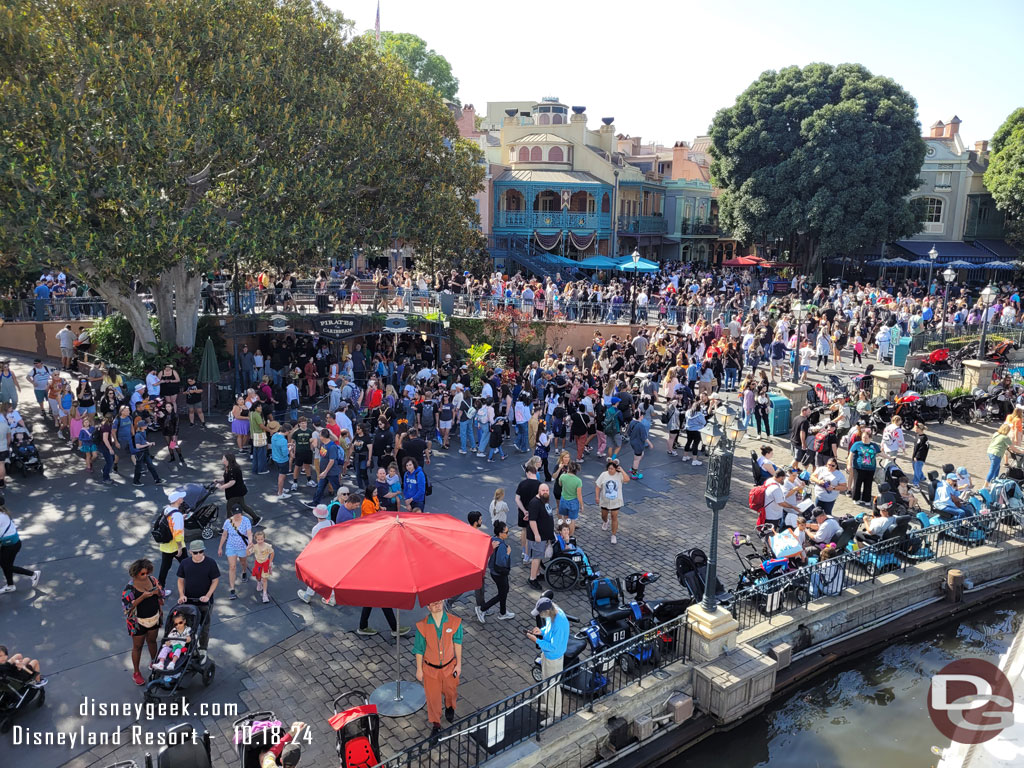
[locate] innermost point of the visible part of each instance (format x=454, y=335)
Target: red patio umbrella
x=392, y=560
x=742, y=261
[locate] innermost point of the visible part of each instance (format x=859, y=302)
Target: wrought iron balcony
x=643, y=225
x=551, y=220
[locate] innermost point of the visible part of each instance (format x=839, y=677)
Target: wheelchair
x=568, y=567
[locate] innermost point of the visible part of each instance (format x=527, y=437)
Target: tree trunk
x=187, y=298
x=163, y=297
x=131, y=306
x=177, y=301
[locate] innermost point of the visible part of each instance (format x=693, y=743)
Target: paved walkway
x=295, y=658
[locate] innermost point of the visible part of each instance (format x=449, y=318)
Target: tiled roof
x=1004, y=251
x=540, y=138
x=549, y=177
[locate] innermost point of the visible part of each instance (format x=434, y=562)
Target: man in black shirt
x=197, y=581
x=415, y=447
x=303, y=459
x=525, y=493
x=798, y=437
x=540, y=531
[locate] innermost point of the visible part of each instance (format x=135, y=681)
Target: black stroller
x=358, y=731
x=198, y=514
x=17, y=692
x=24, y=456
x=256, y=732
x=692, y=572
x=164, y=684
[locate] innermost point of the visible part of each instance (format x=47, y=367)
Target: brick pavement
x=320, y=656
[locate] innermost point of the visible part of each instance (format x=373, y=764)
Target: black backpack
x=161, y=530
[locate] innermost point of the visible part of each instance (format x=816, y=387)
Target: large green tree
x=1005, y=175
x=824, y=157
x=146, y=142
x=423, y=63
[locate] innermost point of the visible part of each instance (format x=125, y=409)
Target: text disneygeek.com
x=135, y=735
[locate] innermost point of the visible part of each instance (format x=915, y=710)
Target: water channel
x=872, y=712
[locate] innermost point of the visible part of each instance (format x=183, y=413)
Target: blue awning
x=597, y=262
x=626, y=265
x=949, y=250
x=1003, y=250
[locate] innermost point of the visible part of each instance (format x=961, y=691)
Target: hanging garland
x=582, y=242
x=547, y=242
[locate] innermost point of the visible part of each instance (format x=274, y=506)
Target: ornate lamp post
x=932, y=256
x=635, y=256
x=949, y=276
x=987, y=297
x=799, y=313
x=720, y=437
x=513, y=330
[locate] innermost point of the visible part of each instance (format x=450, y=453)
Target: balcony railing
x=643, y=225
x=551, y=220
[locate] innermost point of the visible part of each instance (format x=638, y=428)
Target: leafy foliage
x=1005, y=175
x=151, y=141
x=113, y=341
x=423, y=63
x=824, y=156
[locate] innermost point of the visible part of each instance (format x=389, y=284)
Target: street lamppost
x=635, y=256
x=949, y=276
x=513, y=330
x=720, y=436
x=987, y=297
x=932, y=256
x=799, y=313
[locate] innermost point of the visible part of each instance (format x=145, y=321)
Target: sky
x=664, y=67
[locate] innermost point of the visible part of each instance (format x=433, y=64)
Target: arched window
x=545, y=119
x=557, y=120
x=524, y=154
x=555, y=155
x=933, y=210
x=536, y=155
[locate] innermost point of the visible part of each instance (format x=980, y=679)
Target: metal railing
x=552, y=220
x=959, y=336
x=643, y=224
x=38, y=310
x=829, y=578
x=528, y=713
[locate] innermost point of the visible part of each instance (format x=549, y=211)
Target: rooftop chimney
x=952, y=127
x=936, y=130
x=981, y=147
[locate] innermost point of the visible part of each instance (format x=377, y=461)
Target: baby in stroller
x=20, y=668
x=24, y=454
x=175, y=642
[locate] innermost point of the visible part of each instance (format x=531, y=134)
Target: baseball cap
x=951, y=476
x=175, y=495
x=544, y=604
x=139, y=386
x=332, y=385
x=196, y=545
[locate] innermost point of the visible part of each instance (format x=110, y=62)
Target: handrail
x=460, y=743
x=828, y=578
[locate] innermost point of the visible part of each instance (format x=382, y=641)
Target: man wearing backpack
x=169, y=533
x=612, y=428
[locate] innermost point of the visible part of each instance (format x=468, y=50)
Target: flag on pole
x=377, y=25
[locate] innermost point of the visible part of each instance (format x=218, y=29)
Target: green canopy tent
x=209, y=372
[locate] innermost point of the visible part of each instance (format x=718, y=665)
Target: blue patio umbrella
x=961, y=264
x=597, y=262
x=641, y=266
x=998, y=265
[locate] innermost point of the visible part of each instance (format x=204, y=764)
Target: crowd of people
x=384, y=406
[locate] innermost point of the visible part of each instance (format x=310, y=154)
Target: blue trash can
x=779, y=414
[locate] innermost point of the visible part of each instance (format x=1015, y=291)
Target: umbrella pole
x=389, y=697
x=398, y=654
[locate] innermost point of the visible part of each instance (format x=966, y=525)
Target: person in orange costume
x=438, y=649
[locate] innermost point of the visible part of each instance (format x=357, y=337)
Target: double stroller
x=164, y=684
x=17, y=692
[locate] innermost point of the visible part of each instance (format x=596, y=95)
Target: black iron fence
x=529, y=712
x=828, y=578
x=959, y=336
